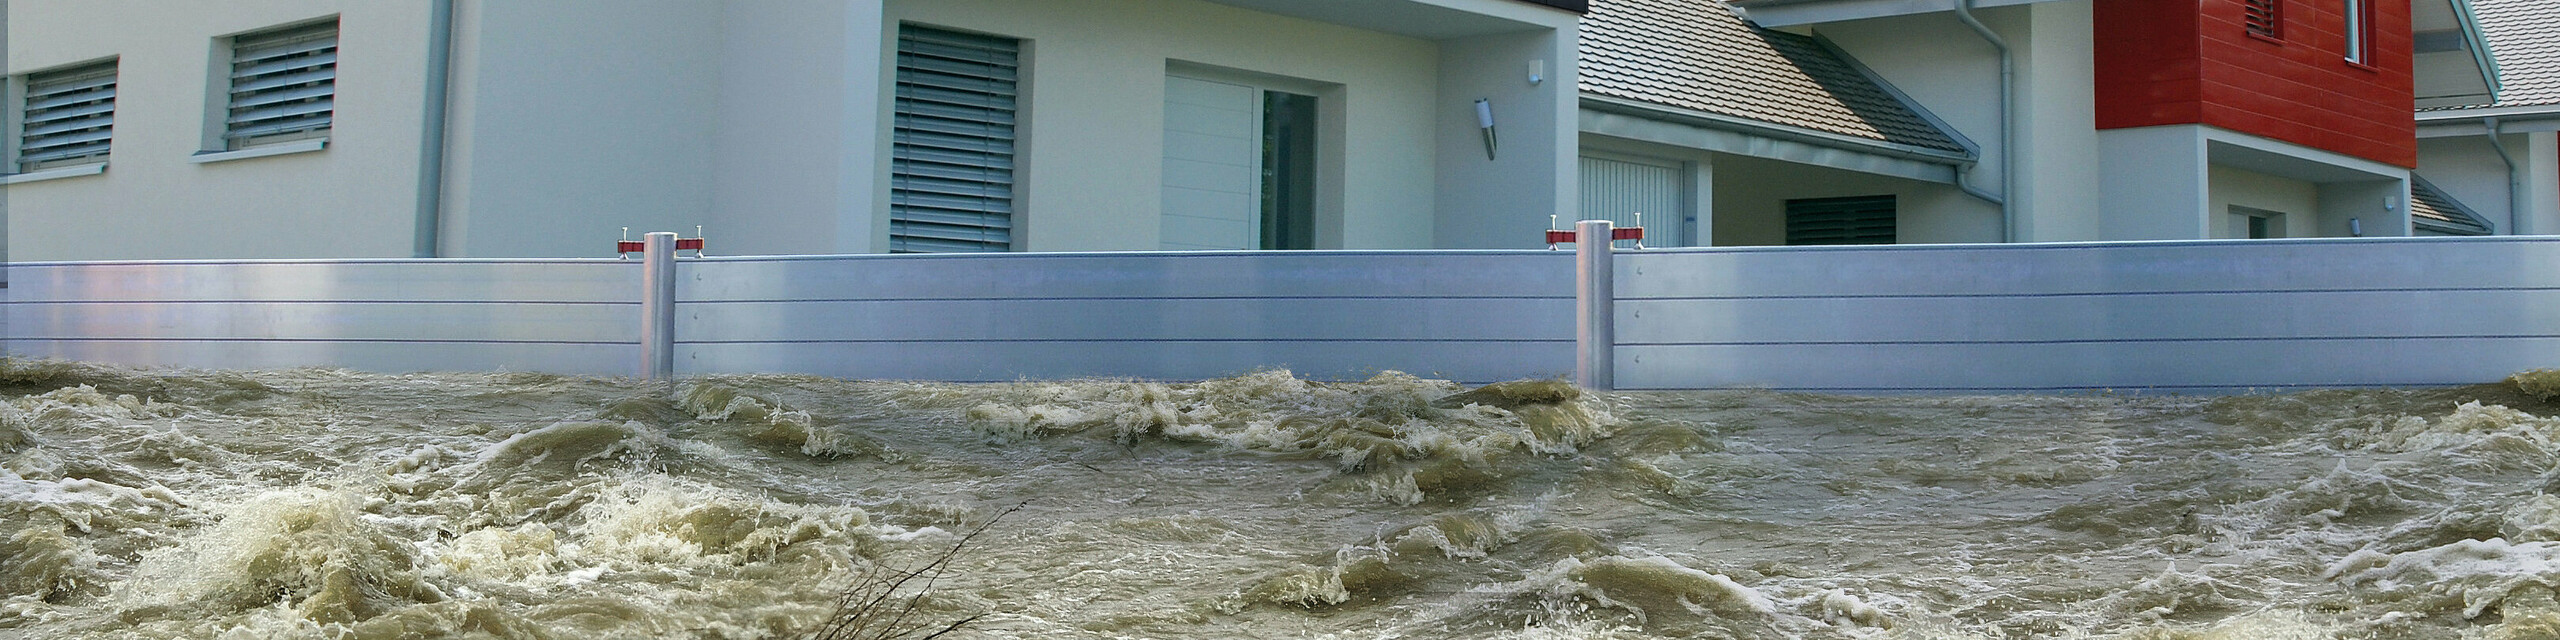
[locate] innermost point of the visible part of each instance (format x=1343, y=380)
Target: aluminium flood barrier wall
x=2208, y=316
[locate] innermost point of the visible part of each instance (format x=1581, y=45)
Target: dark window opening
x=1855, y=220
x=1288, y=171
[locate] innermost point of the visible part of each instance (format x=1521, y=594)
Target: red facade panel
x=2164, y=62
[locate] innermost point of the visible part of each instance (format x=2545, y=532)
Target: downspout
x=2008, y=125
x=431, y=136
x=2515, y=178
x=1964, y=182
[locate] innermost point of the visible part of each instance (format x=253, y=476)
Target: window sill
x=55, y=173
x=277, y=149
x=2366, y=67
x=2274, y=40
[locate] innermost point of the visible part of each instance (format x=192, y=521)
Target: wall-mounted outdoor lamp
x=1484, y=119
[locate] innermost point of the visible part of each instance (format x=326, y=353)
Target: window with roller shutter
x=951, y=162
x=68, y=118
x=283, y=85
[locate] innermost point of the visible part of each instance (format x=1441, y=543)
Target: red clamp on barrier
x=626, y=247
x=1563, y=236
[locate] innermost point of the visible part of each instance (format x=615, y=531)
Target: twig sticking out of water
x=881, y=603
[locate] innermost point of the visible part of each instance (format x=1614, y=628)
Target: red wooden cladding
x=2163, y=63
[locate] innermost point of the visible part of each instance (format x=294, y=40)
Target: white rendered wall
x=2057, y=74
x=2153, y=185
x=1949, y=69
x=573, y=118
x=794, y=159
x=2299, y=201
x=356, y=198
x=1751, y=197
x=1091, y=138
x=1503, y=202
x=2468, y=169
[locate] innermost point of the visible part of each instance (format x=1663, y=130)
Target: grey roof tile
x=2427, y=204
x=1697, y=55
x=2524, y=37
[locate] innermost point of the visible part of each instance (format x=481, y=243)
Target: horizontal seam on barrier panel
x=1023, y=340
x=2124, y=387
x=320, y=340
x=507, y=302
x=2105, y=341
x=1111, y=298
x=1868, y=296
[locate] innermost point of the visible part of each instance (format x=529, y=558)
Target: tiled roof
x=2428, y=204
x=1697, y=55
x=2524, y=37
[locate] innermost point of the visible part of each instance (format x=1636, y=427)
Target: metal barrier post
x=1595, y=320
x=658, y=306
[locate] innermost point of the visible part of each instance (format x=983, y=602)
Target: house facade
x=510, y=128
x=521, y=128
x=2487, y=144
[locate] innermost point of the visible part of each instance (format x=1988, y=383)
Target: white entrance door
x=1212, y=165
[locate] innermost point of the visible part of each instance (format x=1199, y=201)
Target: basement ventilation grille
x=283, y=85
x=70, y=116
x=2263, y=18
x=1855, y=220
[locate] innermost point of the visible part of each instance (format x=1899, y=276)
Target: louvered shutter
x=2263, y=17
x=69, y=116
x=951, y=165
x=1859, y=220
x=282, y=85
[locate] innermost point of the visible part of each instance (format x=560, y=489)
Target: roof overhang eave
x=1635, y=120
x=1788, y=13
x=2475, y=121
x=1776, y=131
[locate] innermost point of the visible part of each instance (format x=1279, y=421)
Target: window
x=2359, y=31
x=283, y=82
x=2256, y=224
x=951, y=163
x=2263, y=18
x=68, y=118
x=1857, y=220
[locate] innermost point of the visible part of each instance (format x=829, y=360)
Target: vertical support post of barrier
x=658, y=307
x=1595, y=332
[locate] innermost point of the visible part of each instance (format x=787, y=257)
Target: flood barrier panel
x=2179, y=316
x=1471, y=316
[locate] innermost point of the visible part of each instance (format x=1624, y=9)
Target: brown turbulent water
x=329, y=504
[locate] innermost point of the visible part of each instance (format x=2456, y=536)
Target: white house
x=502, y=128
x=519, y=128
x=2510, y=181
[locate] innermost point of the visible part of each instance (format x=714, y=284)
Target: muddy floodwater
x=331, y=504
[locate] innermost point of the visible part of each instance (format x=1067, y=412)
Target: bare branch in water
x=879, y=605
